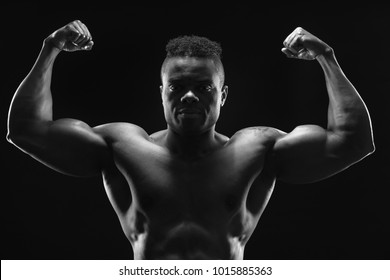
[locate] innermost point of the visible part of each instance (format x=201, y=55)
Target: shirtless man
x=188, y=192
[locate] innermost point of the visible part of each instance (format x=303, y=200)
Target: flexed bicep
x=66, y=145
x=310, y=153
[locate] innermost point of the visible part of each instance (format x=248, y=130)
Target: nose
x=189, y=97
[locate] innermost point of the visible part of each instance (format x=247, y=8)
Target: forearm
x=32, y=100
x=348, y=116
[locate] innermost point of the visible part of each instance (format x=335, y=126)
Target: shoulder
x=120, y=130
x=222, y=139
x=259, y=134
x=158, y=136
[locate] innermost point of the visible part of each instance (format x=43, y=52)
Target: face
x=192, y=94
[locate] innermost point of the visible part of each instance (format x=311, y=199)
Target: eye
x=206, y=88
x=174, y=87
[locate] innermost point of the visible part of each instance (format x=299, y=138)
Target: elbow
x=9, y=137
x=15, y=136
x=11, y=133
x=360, y=143
x=362, y=150
x=12, y=139
x=366, y=151
x=356, y=148
x=12, y=130
x=370, y=149
x=368, y=146
x=17, y=132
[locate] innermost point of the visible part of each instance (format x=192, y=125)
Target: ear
x=224, y=94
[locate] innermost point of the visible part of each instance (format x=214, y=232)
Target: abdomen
x=187, y=240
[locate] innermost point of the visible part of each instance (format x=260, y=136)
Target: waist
x=187, y=240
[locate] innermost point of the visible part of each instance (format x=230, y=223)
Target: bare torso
x=175, y=208
x=203, y=206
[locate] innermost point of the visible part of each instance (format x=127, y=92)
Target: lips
x=189, y=111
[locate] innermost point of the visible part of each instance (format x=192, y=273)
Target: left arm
x=310, y=153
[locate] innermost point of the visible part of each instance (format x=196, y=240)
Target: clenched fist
x=304, y=45
x=72, y=37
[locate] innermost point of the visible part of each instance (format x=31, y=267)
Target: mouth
x=190, y=113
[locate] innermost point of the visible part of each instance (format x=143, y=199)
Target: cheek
x=216, y=101
x=217, y=110
x=166, y=101
x=167, y=108
x=214, y=109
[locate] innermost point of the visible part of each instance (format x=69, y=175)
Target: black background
x=47, y=215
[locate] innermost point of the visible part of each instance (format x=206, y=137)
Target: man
x=188, y=192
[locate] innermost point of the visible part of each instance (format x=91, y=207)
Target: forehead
x=189, y=68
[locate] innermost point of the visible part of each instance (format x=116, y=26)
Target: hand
x=72, y=37
x=303, y=45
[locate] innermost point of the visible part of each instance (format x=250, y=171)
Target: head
x=192, y=89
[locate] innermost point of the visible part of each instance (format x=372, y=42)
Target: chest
x=214, y=185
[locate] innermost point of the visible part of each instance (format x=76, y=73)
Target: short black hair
x=193, y=46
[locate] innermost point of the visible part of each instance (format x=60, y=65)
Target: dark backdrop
x=47, y=215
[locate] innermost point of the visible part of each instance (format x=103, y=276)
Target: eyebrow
x=199, y=81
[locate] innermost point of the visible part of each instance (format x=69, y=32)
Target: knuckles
x=299, y=30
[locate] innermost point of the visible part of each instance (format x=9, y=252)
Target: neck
x=192, y=145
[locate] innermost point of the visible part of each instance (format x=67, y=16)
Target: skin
x=189, y=192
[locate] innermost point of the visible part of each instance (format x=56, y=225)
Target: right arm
x=66, y=145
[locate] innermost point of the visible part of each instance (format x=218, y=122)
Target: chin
x=190, y=126
x=187, y=127
x=189, y=130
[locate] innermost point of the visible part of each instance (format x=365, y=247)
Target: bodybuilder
x=189, y=192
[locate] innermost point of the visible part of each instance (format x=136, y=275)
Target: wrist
x=49, y=46
x=328, y=62
x=47, y=55
x=328, y=54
